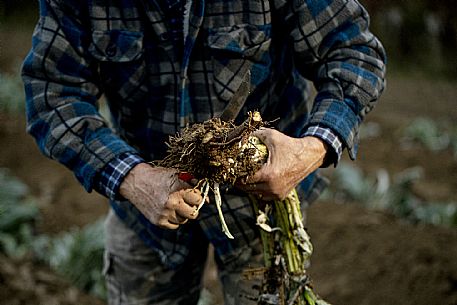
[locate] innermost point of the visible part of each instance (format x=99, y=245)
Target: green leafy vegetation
x=76, y=255
x=432, y=135
x=392, y=194
x=11, y=93
x=17, y=215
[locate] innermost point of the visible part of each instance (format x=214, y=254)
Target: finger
x=166, y=224
x=192, y=196
x=257, y=177
x=264, y=135
x=246, y=187
x=181, y=220
x=186, y=211
x=261, y=175
x=260, y=187
x=177, y=219
x=262, y=190
x=176, y=204
x=269, y=194
x=180, y=207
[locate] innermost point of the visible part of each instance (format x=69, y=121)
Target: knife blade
x=230, y=112
x=238, y=100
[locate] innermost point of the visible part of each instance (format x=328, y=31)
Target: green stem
x=287, y=216
x=266, y=237
x=290, y=214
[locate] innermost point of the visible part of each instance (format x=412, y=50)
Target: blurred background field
x=384, y=233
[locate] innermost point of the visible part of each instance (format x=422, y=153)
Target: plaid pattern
x=110, y=178
x=124, y=50
x=335, y=145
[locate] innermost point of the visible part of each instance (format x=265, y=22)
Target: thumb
x=258, y=176
x=263, y=134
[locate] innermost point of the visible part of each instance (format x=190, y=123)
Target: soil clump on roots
x=217, y=151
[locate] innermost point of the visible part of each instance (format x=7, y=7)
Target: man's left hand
x=290, y=160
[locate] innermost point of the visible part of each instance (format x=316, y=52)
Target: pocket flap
x=235, y=51
x=245, y=40
x=116, y=45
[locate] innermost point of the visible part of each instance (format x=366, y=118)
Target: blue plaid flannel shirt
x=154, y=85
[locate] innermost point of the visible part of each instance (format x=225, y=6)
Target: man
x=162, y=64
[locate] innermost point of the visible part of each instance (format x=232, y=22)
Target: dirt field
x=22, y=282
x=361, y=257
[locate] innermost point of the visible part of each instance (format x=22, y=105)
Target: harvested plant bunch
x=217, y=152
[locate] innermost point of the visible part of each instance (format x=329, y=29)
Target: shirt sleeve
x=334, y=48
x=61, y=86
x=110, y=178
x=334, y=143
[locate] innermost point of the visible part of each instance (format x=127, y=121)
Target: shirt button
x=164, y=36
x=111, y=49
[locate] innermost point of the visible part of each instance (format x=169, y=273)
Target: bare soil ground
x=23, y=282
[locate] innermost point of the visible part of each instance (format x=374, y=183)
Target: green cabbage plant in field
x=392, y=194
x=76, y=255
x=432, y=135
x=17, y=215
x=12, y=97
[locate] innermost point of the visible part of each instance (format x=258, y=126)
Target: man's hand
x=290, y=160
x=160, y=196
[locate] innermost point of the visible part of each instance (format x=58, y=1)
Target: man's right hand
x=160, y=196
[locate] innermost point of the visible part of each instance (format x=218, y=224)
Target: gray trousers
x=135, y=275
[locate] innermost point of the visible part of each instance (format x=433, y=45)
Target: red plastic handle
x=184, y=176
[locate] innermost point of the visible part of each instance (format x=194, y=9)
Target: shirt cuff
x=328, y=136
x=114, y=172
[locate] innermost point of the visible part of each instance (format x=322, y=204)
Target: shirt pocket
x=235, y=51
x=116, y=46
x=120, y=60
